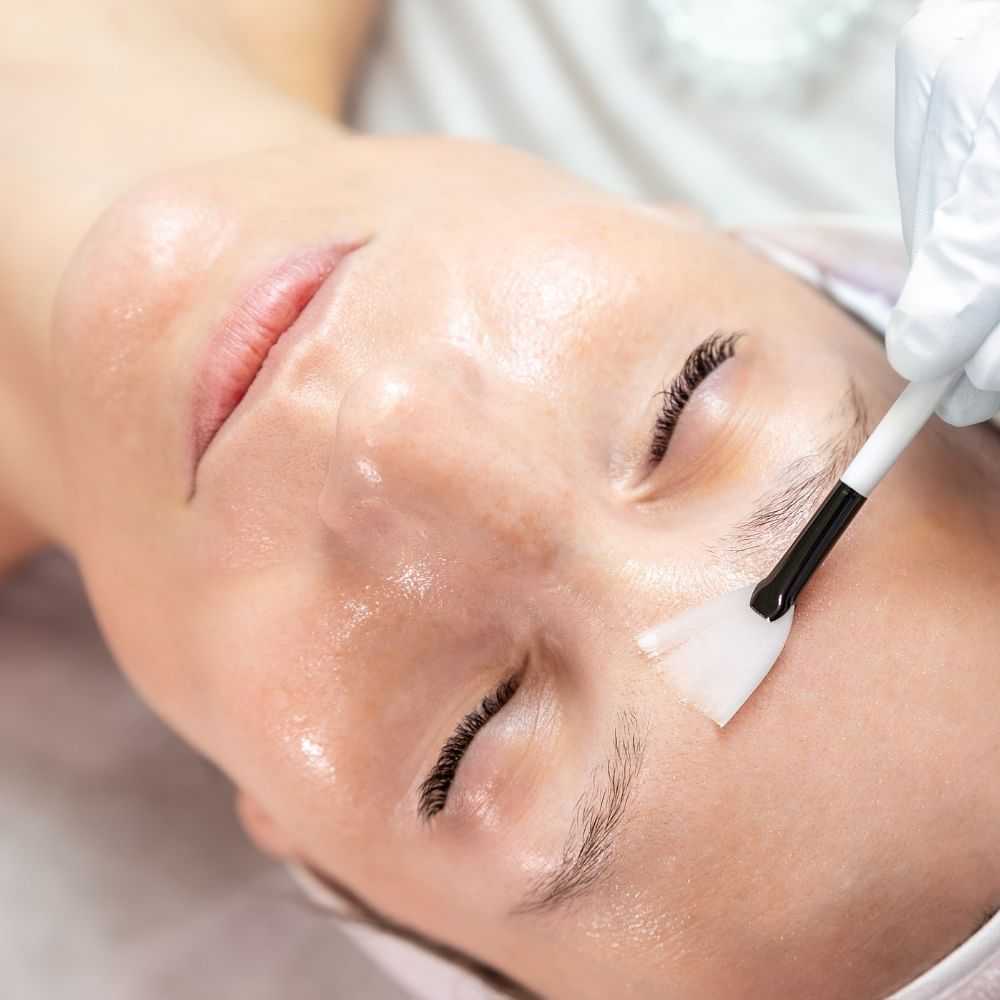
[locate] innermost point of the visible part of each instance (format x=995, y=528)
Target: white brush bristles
x=716, y=654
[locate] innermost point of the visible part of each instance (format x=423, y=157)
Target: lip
x=274, y=306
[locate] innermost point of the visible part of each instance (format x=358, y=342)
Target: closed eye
x=700, y=363
x=435, y=787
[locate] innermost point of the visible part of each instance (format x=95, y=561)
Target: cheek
x=296, y=687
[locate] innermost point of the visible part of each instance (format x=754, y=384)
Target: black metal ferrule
x=776, y=593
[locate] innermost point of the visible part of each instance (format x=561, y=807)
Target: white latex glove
x=948, y=170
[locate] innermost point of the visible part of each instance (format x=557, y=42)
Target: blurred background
x=751, y=110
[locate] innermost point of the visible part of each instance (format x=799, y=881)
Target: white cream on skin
x=717, y=653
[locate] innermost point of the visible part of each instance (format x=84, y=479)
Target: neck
x=186, y=82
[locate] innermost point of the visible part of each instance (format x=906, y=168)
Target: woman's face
x=447, y=490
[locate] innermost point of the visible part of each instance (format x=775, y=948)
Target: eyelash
x=701, y=362
x=434, y=790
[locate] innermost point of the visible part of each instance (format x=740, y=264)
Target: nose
x=435, y=456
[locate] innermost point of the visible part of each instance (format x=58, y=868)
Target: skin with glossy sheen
x=444, y=482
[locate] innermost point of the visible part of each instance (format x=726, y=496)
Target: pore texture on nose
x=434, y=454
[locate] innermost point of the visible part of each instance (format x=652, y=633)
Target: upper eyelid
x=711, y=352
x=434, y=789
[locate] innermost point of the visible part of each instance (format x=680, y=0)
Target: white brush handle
x=913, y=408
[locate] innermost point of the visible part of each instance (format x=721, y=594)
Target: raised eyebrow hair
x=598, y=818
x=778, y=514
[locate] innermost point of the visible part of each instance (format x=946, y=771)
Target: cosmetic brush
x=716, y=654
x=776, y=593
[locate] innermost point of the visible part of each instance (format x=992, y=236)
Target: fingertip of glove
x=912, y=350
x=984, y=368
x=966, y=405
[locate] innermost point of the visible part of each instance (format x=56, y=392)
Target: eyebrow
x=600, y=815
x=778, y=514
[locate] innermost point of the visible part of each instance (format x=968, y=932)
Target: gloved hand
x=948, y=171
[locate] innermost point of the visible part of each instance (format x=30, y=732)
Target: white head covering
x=970, y=972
